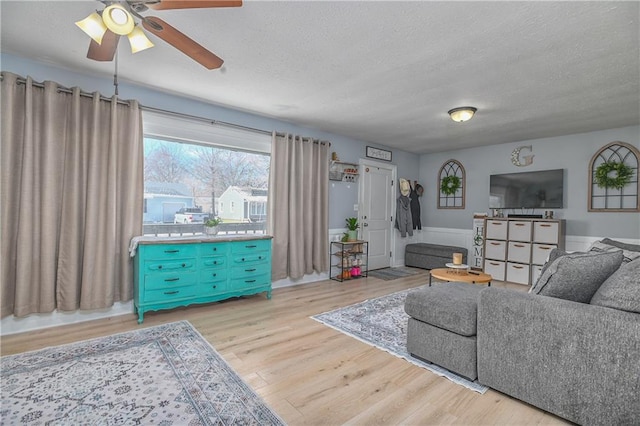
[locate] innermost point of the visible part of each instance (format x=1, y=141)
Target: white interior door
x=376, y=202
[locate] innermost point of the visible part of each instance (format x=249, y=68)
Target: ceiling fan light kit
x=93, y=26
x=462, y=114
x=118, y=20
x=138, y=40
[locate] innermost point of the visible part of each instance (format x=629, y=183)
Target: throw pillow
x=612, y=245
x=621, y=290
x=577, y=276
x=555, y=253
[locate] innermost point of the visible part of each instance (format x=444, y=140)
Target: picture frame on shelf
x=378, y=153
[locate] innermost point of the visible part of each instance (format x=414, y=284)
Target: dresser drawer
x=496, y=250
x=249, y=282
x=170, y=280
x=210, y=289
x=519, y=230
x=545, y=232
x=536, y=270
x=170, y=294
x=249, y=271
x=496, y=229
x=519, y=252
x=213, y=275
x=495, y=269
x=251, y=258
x=169, y=265
x=540, y=253
x=243, y=247
x=208, y=249
x=517, y=273
x=213, y=262
x=169, y=251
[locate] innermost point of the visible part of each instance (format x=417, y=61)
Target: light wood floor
x=309, y=373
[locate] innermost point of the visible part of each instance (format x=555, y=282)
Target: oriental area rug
x=164, y=375
x=382, y=322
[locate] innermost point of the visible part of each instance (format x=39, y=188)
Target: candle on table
x=457, y=258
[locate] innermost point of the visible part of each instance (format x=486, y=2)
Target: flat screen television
x=539, y=189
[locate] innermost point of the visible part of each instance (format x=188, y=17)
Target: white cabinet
x=516, y=248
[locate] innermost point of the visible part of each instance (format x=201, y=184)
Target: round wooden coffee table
x=472, y=277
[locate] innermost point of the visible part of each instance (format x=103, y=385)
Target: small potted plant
x=352, y=228
x=211, y=225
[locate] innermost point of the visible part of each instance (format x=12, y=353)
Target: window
x=189, y=178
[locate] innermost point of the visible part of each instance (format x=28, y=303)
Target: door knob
x=365, y=224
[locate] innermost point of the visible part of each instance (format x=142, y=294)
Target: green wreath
x=623, y=176
x=450, y=184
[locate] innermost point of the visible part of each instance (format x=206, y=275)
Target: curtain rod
x=206, y=120
x=21, y=80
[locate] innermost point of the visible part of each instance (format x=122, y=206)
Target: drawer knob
x=243, y=259
x=171, y=251
x=519, y=224
x=159, y=266
x=214, y=286
x=518, y=245
x=184, y=264
x=545, y=225
x=251, y=246
x=495, y=244
x=172, y=279
x=215, y=275
x=518, y=267
x=172, y=292
x=544, y=248
x=250, y=270
x=249, y=281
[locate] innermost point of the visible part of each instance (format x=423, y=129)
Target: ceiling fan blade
x=181, y=42
x=105, y=51
x=193, y=4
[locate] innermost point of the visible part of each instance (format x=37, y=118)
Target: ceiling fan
x=117, y=19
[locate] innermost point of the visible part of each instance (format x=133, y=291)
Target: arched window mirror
x=451, y=185
x=613, y=179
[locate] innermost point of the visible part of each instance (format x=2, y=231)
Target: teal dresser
x=180, y=272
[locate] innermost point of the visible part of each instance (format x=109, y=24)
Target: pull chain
x=115, y=75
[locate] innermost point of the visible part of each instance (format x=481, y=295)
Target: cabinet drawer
x=213, y=262
x=249, y=282
x=251, y=258
x=540, y=253
x=496, y=229
x=170, y=294
x=517, y=273
x=496, y=250
x=169, y=251
x=519, y=231
x=495, y=269
x=545, y=232
x=207, y=249
x=241, y=247
x=249, y=271
x=213, y=275
x=209, y=289
x=170, y=280
x=169, y=265
x=519, y=252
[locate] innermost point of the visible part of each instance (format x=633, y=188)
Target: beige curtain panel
x=72, y=194
x=298, y=206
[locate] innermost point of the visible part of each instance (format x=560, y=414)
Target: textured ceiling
x=382, y=72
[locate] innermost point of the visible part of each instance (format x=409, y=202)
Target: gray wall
x=342, y=196
x=572, y=153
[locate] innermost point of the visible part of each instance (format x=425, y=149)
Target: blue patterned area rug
x=382, y=323
x=164, y=375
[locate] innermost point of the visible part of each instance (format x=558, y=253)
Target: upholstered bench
x=431, y=256
x=442, y=327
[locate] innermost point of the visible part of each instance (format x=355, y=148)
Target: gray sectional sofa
x=576, y=356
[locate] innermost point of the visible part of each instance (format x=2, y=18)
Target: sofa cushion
x=450, y=306
x=629, y=251
x=577, y=276
x=622, y=289
x=555, y=253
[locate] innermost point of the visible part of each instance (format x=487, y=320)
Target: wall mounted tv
x=539, y=189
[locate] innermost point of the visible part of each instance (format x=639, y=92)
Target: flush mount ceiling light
x=462, y=114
